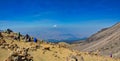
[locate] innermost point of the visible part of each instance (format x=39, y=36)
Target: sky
x=88, y=15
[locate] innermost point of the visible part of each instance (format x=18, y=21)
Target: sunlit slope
x=107, y=41
x=49, y=51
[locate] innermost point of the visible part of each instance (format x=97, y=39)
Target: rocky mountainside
x=107, y=41
x=12, y=49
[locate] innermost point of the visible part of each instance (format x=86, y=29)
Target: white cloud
x=54, y=26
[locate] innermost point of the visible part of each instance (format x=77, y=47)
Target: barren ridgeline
x=106, y=41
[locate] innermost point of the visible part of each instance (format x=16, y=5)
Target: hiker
x=1, y=35
x=9, y=31
x=111, y=55
x=18, y=36
x=35, y=40
x=27, y=38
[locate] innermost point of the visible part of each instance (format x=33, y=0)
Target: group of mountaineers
x=18, y=53
x=18, y=37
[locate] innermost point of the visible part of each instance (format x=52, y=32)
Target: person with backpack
x=111, y=55
x=1, y=35
x=26, y=37
x=35, y=40
x=18, y=36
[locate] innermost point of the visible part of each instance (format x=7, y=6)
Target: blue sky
x=79, y=14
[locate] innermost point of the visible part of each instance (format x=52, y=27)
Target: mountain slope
x=107, y=41
x=42, y=51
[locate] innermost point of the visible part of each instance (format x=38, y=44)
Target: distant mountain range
x=53, y=34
